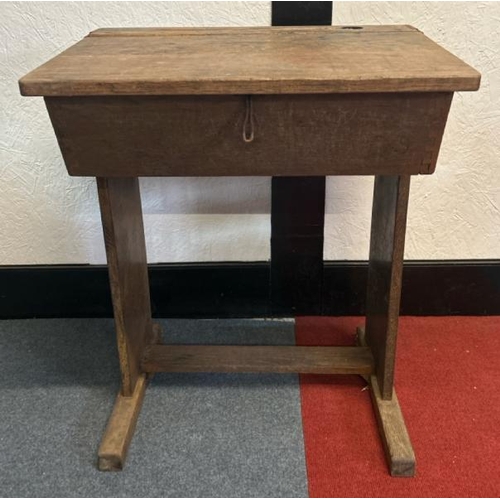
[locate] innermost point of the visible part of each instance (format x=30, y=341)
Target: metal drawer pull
x=248, y=123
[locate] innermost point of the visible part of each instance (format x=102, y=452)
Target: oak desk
x=310, y=101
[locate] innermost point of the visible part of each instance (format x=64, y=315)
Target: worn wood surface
x=254, y=30
x=121, y=214
x=390, y=202
x=156, y=337
x=315, y=135
x=270, y=60
x=397, y=445
x=398, y=448
x=276, y=359
x=120, y=429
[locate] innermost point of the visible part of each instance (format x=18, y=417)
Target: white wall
x=49, y=217
x=453, y=214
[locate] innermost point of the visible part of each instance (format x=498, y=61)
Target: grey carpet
x=221, y=435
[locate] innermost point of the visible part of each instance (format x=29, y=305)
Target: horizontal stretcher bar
x=279, y=359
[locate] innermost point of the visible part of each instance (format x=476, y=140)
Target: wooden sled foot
x=398, y=449
x=120, y=429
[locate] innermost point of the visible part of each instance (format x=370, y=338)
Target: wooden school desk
x=307, y=101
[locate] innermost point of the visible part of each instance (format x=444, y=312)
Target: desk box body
x=316, y=134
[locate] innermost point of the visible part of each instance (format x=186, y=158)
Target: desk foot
x=120, y=429
x=397, y=445
x=398, y=449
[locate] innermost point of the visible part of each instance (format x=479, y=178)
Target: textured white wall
x=49, y=217
x=455, y=213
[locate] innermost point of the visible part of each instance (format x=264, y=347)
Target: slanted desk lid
x=268, y=60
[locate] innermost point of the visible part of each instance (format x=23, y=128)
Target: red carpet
x=448, y=385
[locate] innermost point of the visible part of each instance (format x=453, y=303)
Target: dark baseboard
x=236, y=289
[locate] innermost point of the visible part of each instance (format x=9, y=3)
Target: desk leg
x=390, y=201
x=121, y=214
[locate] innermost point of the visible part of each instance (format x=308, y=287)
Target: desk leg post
x=390, y=202
x=122, y=222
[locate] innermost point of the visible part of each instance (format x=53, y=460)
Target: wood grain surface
x=390, y=203
x=276, y=359
x=311, y=135
x=121, y=214
x=398, y=448
x=391, y=425
x=268, y=60
x=120, y=429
